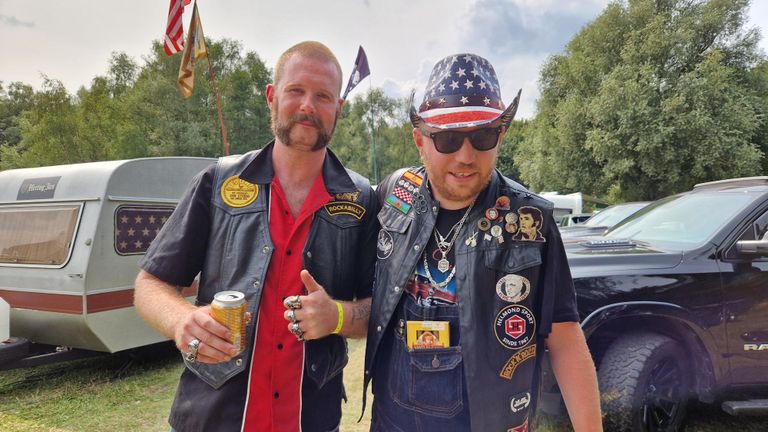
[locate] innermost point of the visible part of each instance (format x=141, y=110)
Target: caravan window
x=136, y=227
x=38, y=235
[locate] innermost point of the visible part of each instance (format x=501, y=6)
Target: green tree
x=15, y=99
x=374, y=116
x=650, y=98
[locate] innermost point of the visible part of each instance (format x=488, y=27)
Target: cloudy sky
x=72, y=40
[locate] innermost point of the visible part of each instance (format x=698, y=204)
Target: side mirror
x=755, y=248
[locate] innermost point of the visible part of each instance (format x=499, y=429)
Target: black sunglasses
x=451, y=141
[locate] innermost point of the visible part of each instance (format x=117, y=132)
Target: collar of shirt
x=335, y=176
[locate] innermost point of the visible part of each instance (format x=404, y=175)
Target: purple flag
x=359, y=72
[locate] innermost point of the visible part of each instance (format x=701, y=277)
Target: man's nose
x=466, y=153
x=307, y=104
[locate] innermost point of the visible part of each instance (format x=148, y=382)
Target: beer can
x=229, y=308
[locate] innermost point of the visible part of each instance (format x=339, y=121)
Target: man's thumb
x=309, y=282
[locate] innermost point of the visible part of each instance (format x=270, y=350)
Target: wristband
x=341, y=319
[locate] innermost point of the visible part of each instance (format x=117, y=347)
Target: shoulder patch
x=238, y=193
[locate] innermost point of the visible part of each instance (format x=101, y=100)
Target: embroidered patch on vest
x=238, y=193
x=520, y=402
x=347, y=196
x=335, y=208
x=522, y=428
x=513, y=288
x=531, y=224
x=514, y=326
x=399, y=204
x=511, y=365
x=384, y=244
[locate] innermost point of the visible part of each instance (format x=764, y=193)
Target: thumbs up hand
x=317, y=316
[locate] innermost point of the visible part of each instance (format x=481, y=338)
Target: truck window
x=37, y=235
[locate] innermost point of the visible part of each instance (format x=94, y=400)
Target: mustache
x=301, y=117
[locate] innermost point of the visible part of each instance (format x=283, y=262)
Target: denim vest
x=494, y=370
x=339, y=253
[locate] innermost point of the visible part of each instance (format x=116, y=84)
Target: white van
x=70, y=240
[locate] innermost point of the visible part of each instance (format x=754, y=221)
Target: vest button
x=396, y=289
x=256, y=283
x=239, y=362
x=313, y=367
x=265, y=250
x=435, y=362
x=378, y=329
x=309, y=254
x=416, y=247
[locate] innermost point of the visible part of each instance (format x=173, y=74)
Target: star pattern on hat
x=462, y=91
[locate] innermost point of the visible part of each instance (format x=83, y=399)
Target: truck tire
x=13, y=348
x=644, y=384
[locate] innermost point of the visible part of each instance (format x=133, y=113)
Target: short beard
x=436, y=183
x=283, y=130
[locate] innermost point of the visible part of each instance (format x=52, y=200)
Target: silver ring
x=292, y=316
x=193, y=346
x=292, y=302
x=295, y=329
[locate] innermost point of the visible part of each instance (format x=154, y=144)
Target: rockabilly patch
x=520, y=402
x=522, y=428
x=384, y=244
x=517, y=358
x=513, y=288
x=531, y=222
x=335, y=208
x=515, y=326
x=238, y=193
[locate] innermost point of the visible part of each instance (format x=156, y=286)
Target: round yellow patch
x=238, y=193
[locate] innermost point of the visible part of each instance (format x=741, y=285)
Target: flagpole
x=218, y=106
x=373, y=135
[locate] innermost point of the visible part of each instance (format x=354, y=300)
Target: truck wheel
x=13, y=348
x=643, y=384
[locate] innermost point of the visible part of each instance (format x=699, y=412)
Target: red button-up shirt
x=277, y=365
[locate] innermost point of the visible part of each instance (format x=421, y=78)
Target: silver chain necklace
x=444, y=247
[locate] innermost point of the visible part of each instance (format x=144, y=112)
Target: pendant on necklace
x=443, y=265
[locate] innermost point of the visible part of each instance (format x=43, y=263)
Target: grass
x=133, y=392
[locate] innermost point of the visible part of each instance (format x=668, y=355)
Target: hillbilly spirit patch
x=347, y=196
x=238, y=193
x=513, y=288
x=517, y=358
x=514, y=326
x=335, y=208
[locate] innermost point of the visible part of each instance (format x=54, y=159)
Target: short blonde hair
x=307, y=49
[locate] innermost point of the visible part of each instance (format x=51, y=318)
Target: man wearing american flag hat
x=455, y=236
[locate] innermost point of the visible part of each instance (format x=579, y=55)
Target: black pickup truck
x=674, y=304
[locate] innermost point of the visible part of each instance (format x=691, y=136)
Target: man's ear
x=418, y=138
x=270, y=94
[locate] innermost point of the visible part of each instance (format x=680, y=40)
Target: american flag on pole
x=174, y=30
x=359, y=72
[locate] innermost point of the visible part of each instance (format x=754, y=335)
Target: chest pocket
x=393, y=220
x=513, y=259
